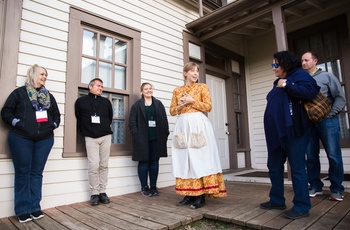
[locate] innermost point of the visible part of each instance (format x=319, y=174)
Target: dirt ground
x=207, y=224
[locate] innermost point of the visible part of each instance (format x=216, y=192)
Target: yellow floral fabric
x=198, y=91
x=212, y=185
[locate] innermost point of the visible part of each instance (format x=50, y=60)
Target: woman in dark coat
x=149, y=127
x=287, y=132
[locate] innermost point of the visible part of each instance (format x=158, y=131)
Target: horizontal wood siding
x=44, y=39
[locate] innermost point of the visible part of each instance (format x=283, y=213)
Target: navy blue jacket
x=285, y=114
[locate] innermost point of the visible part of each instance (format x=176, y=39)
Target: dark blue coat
x=285, y=114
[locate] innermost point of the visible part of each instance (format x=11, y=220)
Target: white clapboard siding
x=44, y=40
x=259, y=79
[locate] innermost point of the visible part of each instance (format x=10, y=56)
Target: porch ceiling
x=251, y=18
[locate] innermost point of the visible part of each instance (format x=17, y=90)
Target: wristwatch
x=284, y=84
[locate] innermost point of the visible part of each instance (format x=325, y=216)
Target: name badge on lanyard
x=95, y=119
x=41, y=116
x=152, y=124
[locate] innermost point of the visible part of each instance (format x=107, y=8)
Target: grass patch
x=209, y=224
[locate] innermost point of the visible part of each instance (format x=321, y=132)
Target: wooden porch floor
x=241, y=207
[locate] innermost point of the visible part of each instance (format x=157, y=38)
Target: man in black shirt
x=94, y=116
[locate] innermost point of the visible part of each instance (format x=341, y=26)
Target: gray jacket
x=331, y=88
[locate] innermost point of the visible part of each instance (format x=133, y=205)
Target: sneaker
x=104, y=198
x=145, y=191
x=24, y=218
x=37, y=215
x=94, y=200
x=154, y=191
x=268, y=205
x=292, y=214
x=336, y=196
x=313, y=192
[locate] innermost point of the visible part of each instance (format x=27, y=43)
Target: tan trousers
x=98, y=150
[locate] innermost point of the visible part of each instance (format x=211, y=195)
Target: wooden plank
x=5, y=224
x=335, y=215
x=29, y=225
x=108, y=209
x=241, y=206
x=148, y=213
x=256, y=217
x=67, y=220
x=344, y=223
x=47, y=222
x=280, y=221
x=239, y=202
x=86, y=219
x=165, y=203
x=106, y=218
x=315, y=213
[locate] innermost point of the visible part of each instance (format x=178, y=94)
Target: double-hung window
x=101, y=48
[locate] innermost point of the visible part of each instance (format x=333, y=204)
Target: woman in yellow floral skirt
x=195, y=157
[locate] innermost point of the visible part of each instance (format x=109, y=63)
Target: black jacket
x=90, y=105
x=18, y=105
x=139, y=129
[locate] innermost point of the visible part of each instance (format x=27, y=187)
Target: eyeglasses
x=274, y=65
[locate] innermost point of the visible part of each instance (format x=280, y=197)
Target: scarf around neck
x=40, y=98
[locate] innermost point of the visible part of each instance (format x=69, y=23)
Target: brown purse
x=318, y=108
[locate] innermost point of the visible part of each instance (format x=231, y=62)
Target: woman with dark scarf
x=287, y=132
x=32, y=114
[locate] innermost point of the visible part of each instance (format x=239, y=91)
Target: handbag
x=318, y=108
x=197, y=140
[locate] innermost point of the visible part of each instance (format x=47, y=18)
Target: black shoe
x=268, y=205
x=145, y=191
x=200, y=201
x=186, y=200
x=37, y=215
x=154, y=190
x=292, y=214
x=104, y=198
x=94, y=200
x=24, y=218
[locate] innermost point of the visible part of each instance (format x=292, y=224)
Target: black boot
x=200, y=201
x=186, y=200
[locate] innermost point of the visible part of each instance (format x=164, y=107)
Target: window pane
x=88, y=70
x=236, y=102
x=238, y=128
x=194, y=50
x=105, y=73
x=106, y=47
x=118, y=106
x=118, y=124
x=118, y=132
x=120, y=51
x=120, y=77
x=89, y=43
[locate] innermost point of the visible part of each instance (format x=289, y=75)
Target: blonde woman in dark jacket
x=149, y=127
x=32, y=113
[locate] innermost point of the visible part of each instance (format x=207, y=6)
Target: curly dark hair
x=287, y=60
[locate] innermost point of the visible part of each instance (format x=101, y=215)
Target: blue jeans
x=29, y=159
x=150, y=167
x=295, y=152
x=329, y=133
